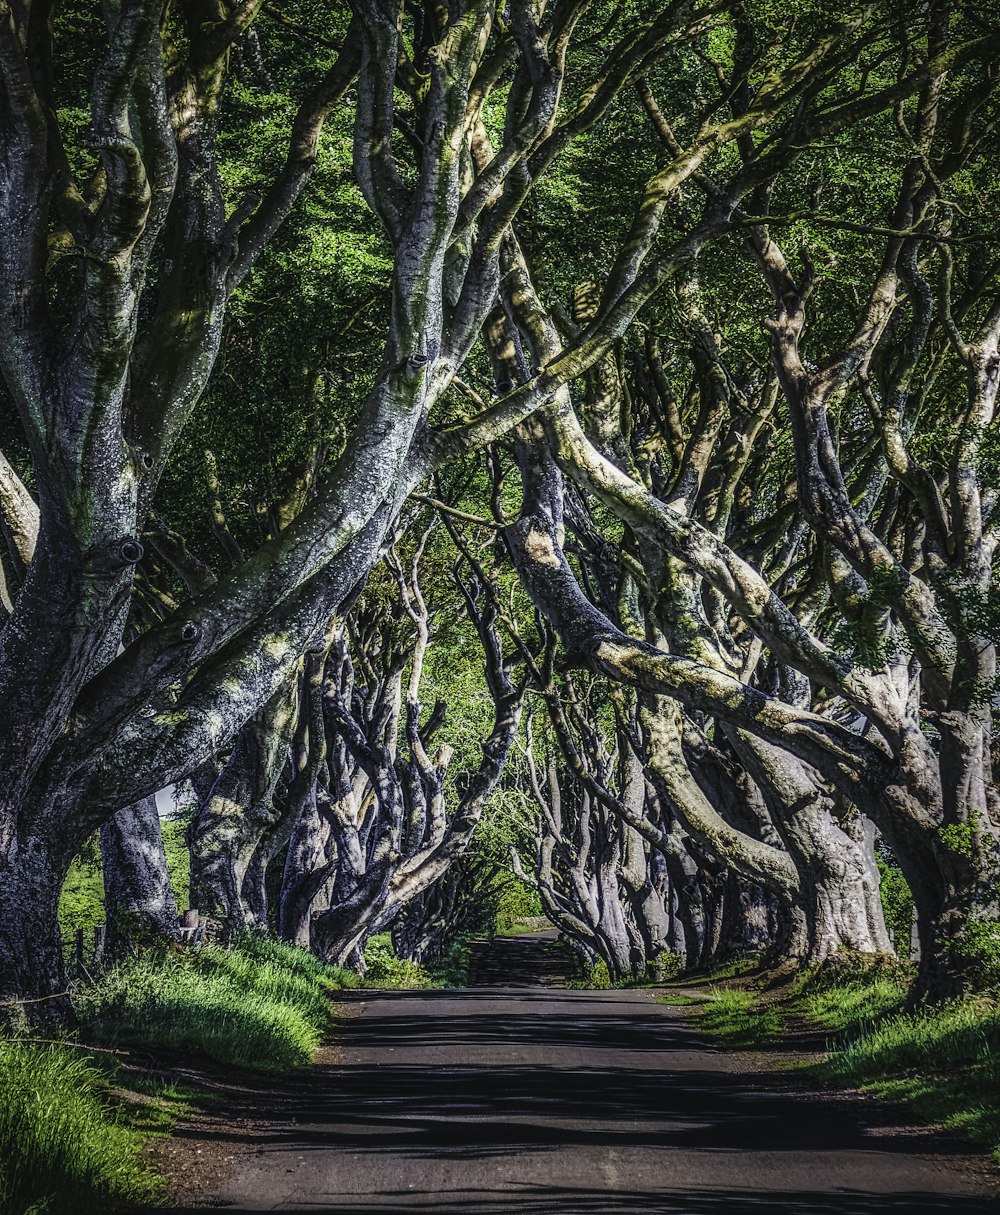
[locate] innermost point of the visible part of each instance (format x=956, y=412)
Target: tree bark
x=138, y=896
x=32, y=871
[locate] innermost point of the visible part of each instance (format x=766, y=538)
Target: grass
x=261, y=1005
x=679, y=1000
x=740, y=1019
x=71, y=1140
x=63, y=1146
x=942, y=1062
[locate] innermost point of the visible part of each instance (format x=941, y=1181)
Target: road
x=539, y=1100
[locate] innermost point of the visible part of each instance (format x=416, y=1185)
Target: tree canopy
x=575, y=415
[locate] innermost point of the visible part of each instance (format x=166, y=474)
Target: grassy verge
x=943, y=1063
x=738, y=1017
x=64, y=1146
x=260, y=1005
x=72, y=1128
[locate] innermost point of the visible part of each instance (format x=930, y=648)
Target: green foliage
x=976, y=951
x=959, y=838
x=517, y=901
x=81, y=903
x=385, y=969
x=897, y=902
x=451, y=969
x=178, y=858
x=63, y=1148
x=594, y=978
x=664, y=968
x=260, y=1005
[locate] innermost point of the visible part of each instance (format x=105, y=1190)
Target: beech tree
x=899, y=548
x=120, y=258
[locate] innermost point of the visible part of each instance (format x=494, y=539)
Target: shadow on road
x=447, y=1104
x=557, y=1201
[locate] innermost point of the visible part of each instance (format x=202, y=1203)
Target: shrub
x=666, y=966
x=385, y=969
x=897, y=901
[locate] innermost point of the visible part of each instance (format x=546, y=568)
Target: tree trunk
x=138, y=898
x=943, y=829
x=357, y=905
x=239, y=810
x=257, y=900
x=32, y=872
x=308, y=865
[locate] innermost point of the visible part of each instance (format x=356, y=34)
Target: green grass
x=740, y=1019
x=944, y=1063
x=71, y=1139
x=680, y=1000
x=63, y=1146
x=941, y=1062
x=261, y=1005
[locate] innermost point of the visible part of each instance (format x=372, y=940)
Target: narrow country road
x=532, y=1100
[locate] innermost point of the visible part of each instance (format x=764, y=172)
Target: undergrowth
x=64, y=1148
x=662, y=971
x=260, y=1005
x=385, y=969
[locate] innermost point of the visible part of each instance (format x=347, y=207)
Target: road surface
x=538, y=1100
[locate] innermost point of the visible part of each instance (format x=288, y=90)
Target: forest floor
x=534, y=1100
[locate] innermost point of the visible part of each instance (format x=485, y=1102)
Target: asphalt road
x=538, y=1100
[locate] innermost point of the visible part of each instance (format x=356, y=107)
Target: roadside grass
x=260, y=1005
x=679, y=999
x=73, y=1122
x=941, y=1062
x=64, y=1147
x=740, y=1019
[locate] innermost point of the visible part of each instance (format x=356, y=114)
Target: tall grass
x=261, y=1005
x=63, y=1149
x=944, y=1062
x=65, y=1146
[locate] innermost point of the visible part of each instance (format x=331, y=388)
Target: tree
x=117, y=266
x=864, y=729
